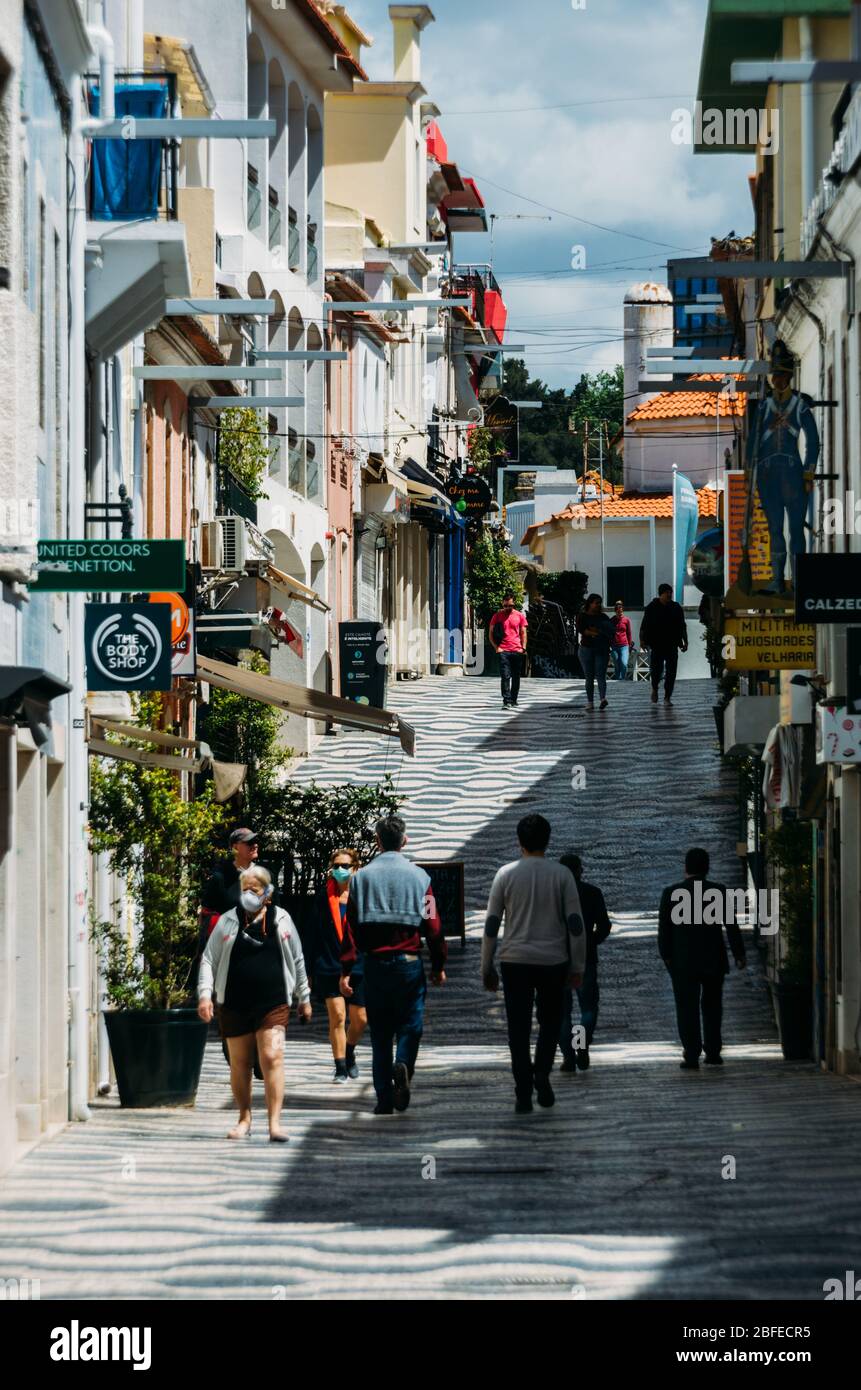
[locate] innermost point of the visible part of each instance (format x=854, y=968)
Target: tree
x=493, y=572
x=157, y=843
x=555, y=436
x=245, y=449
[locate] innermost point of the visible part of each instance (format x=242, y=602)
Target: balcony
x=235, y=498
x=488, y=306
x=844, y=157
x=312, y=471
x=136, y=247
x=134, y=180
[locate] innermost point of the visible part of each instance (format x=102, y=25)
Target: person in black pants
x=508, y=630
x=664, y=632
x=543, y=946
x=692, y=948
x=598, y=927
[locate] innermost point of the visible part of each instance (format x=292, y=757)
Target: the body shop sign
x=128, y=646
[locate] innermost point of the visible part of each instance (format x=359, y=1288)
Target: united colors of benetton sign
x=129, y=566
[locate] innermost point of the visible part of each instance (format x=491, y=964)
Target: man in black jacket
x=691, y=923
x=664, y=632
x=598, y=927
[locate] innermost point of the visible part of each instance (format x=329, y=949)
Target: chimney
x=407, y=24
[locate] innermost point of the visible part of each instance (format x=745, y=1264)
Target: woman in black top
x=595, y=632
x=331, y=910
x=253, y=961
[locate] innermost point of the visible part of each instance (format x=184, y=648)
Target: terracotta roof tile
x=682, y=405
x=633, y=504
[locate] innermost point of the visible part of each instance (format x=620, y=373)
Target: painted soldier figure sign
x=779, y=472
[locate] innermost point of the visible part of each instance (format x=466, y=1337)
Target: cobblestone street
x=615, y=1193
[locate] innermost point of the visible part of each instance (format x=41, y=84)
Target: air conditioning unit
x=224, y=544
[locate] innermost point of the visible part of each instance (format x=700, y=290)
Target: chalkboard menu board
x=447, y=884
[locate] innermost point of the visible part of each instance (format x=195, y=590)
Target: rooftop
x=684, y=405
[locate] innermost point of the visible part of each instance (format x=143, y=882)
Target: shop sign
x=763, y=644
x=128, y=646
x=108, y=567
x=828, y=588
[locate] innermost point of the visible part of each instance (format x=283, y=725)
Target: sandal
x=239, y=1131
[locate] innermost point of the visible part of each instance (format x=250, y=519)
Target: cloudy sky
x=571, y=110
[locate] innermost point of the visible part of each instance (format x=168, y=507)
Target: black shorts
x=329, y=987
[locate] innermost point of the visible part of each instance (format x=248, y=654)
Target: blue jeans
x=780, y=484
x=587, y=998
x=594, y=663
x=620, y=661
x=395, y=990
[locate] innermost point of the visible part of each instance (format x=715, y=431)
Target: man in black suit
x=690, y=941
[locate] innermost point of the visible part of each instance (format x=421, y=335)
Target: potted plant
x=303, y=824
x=790, y=855
x=156, y=843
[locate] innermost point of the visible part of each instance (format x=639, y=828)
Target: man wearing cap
x=782, y=477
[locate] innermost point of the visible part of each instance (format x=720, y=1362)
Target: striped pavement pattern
x=618, y=1192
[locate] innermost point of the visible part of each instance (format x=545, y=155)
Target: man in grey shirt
x=543, y=949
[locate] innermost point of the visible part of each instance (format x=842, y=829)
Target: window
x=625, y=582
x=58, y=387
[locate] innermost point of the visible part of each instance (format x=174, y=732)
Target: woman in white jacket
x=254, y=964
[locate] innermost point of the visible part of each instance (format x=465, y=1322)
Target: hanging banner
x=686, y=516
x=181, y=632
x=503, y=420
x=128, y=646
x=763, y=644
x=759, y=548
x=470, y=494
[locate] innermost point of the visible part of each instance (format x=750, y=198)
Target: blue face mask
x=340, y=875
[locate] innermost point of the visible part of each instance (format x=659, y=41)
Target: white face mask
x=251, y=902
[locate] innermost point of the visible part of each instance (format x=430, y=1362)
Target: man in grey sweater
x=543, y=949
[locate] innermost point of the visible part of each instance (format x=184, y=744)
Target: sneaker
x=581, y=1058
x=352, y=1064
x=714, y=1061
x=689, y=1066
x=402, y=1086
x=544, y=1092
x=604, y=704
x=523, y=1107
x=654, y=697
x=667, y=700
x=590, y=704
x=383, y=1109
x=568, y=1065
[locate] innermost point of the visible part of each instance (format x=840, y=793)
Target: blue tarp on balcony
x=126, y=173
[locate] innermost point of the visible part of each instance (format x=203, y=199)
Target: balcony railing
x=312, y=471
x=295, y=463
x=254, y=200
x=313, y=260
x=274, y=221
x=233, y=497
x=294, y=242
x=134, y=180
x=846, y=152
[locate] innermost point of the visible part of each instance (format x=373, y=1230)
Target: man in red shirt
x=508, y=638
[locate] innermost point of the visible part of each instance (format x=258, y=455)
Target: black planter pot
x=719, y=711
x=794, y=1008
x=157, y=1055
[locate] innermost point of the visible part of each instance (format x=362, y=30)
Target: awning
x=229, y=778
x=310, y=704
x=296, y=589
